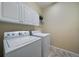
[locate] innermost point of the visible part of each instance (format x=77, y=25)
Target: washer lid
x=16, y=43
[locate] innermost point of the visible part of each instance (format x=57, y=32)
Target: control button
x=20, y=33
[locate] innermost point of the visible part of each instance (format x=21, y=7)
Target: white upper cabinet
x=17, y=12
x=10, y=12
x=29, y=15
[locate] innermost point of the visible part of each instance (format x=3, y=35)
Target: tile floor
x=57, y=52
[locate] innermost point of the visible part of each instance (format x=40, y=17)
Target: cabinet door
x=10, y=11
x=22, y=14
x=26, y=14
x=34, y=17
x=30, y=16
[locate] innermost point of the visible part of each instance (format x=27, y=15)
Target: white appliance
x=45, y=42
x=21, y=44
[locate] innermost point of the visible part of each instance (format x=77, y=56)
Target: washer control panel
x=16, y=34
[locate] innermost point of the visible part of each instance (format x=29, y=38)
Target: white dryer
x=21, y=44
x=45, y=42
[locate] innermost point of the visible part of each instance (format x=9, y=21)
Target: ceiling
x=44, y=4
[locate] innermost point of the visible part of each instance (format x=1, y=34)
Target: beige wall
x=15, y=27
x=62, y=21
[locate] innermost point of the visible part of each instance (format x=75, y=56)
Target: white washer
x=45, y=42
x=20, y=44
